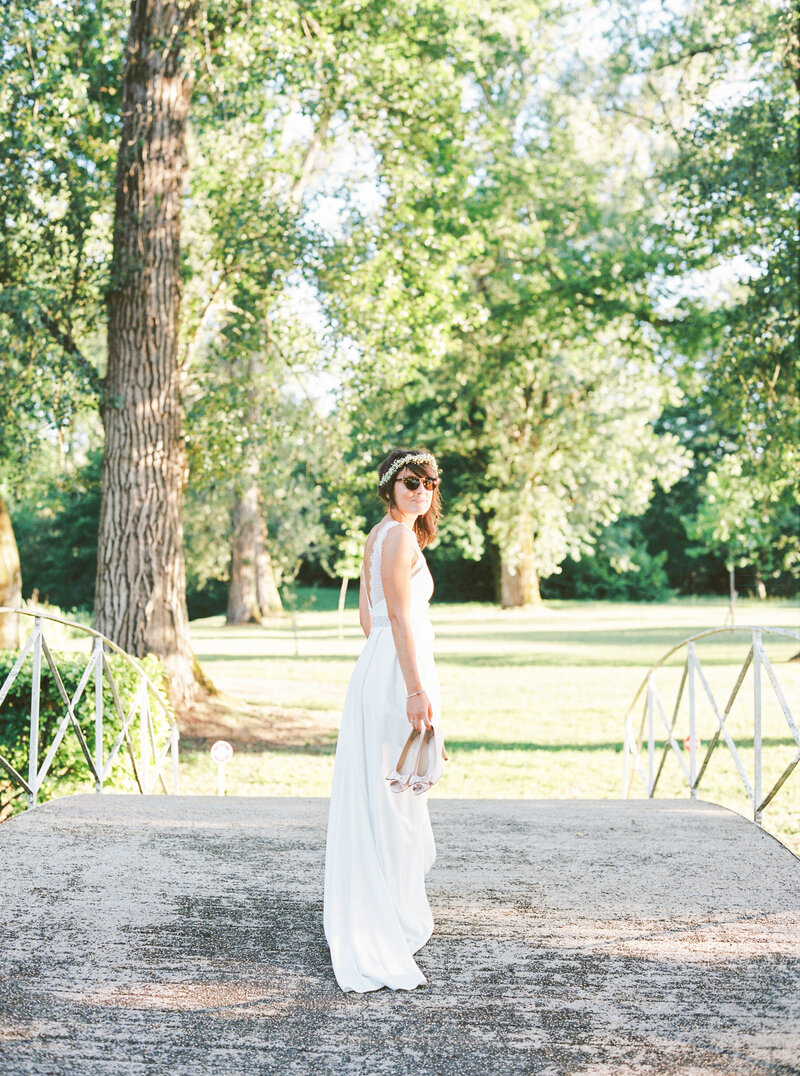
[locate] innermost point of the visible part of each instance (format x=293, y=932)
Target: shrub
x=57, y=538
x=613, y=573
x=69, y=769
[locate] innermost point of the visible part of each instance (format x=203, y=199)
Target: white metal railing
x=693, y=674
x=147, y=769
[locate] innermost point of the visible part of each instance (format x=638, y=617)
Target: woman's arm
x=398, y=553
x=364, y=615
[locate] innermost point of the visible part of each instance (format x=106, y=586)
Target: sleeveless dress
x=380, y=843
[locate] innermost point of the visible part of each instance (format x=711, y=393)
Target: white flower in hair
x=423, y=457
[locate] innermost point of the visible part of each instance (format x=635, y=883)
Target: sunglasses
x=412, y=482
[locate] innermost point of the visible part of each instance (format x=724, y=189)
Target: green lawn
x=534, y=702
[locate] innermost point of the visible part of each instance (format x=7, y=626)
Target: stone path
x=160, y=936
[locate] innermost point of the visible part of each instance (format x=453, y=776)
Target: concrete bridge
x=182, y=936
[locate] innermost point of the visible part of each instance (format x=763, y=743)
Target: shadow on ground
x=182, y=935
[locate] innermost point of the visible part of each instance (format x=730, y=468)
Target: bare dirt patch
x=247, y=725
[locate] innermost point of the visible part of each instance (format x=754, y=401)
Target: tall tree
x=257, y=424
x=269, y=153
x=59, y=106
x=59, y=67
x=140, y=599
x=504, y=318
x=752, y=519
x=716, y=88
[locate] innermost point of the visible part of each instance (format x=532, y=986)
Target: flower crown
x=423, y=457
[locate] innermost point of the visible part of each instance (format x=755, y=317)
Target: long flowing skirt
x=380, y=843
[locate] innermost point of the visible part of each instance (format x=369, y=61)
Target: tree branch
x=312, y=152
x=192, y=336
x=65, y=339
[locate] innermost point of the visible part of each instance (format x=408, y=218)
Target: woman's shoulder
x=400, y=540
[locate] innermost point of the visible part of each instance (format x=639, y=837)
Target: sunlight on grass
x=534, y=701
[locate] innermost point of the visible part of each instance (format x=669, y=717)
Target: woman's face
x=411, y=501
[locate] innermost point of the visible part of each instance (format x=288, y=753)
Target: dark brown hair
x=424, y=526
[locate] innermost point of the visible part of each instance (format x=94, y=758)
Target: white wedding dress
x=380, y=843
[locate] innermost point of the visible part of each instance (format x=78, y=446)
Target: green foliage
x=663, y=527
x=620, y=569
x=69, y=768
x=291, y=111
x=459, y=578
x=752, y=518
x=60, y=76
x=503, y=317
x=286, y=448
x=468, y=235
x=717, y=86
x=57, y=538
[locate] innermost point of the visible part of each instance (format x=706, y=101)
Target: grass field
x=534, y=702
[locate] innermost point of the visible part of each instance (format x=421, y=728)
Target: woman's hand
x=419, y=711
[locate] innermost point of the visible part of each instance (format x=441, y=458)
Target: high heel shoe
x=429, y=766
x=400, y=777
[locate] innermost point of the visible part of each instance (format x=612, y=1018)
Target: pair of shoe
x=426, y=768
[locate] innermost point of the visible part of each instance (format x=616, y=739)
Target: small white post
x=221, y=752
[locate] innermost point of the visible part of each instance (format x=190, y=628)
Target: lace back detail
x=375, y=584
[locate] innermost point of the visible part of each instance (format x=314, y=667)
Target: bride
x=380, y=843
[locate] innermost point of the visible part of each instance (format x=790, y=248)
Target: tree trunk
x=252, y=592
x=242, y=600
x=140, y=599
x=267, y=593
x=761, y=587
x=520, y=587
x=10, y=582
x=517, y=580
x=342, y=600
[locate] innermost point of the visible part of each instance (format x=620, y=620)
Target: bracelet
x=413, y=693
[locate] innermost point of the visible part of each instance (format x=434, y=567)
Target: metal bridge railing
x=147, y=763
x=693, y=677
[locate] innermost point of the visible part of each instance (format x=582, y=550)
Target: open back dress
x=380, y=843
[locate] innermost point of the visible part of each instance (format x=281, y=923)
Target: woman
x=380, y=843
